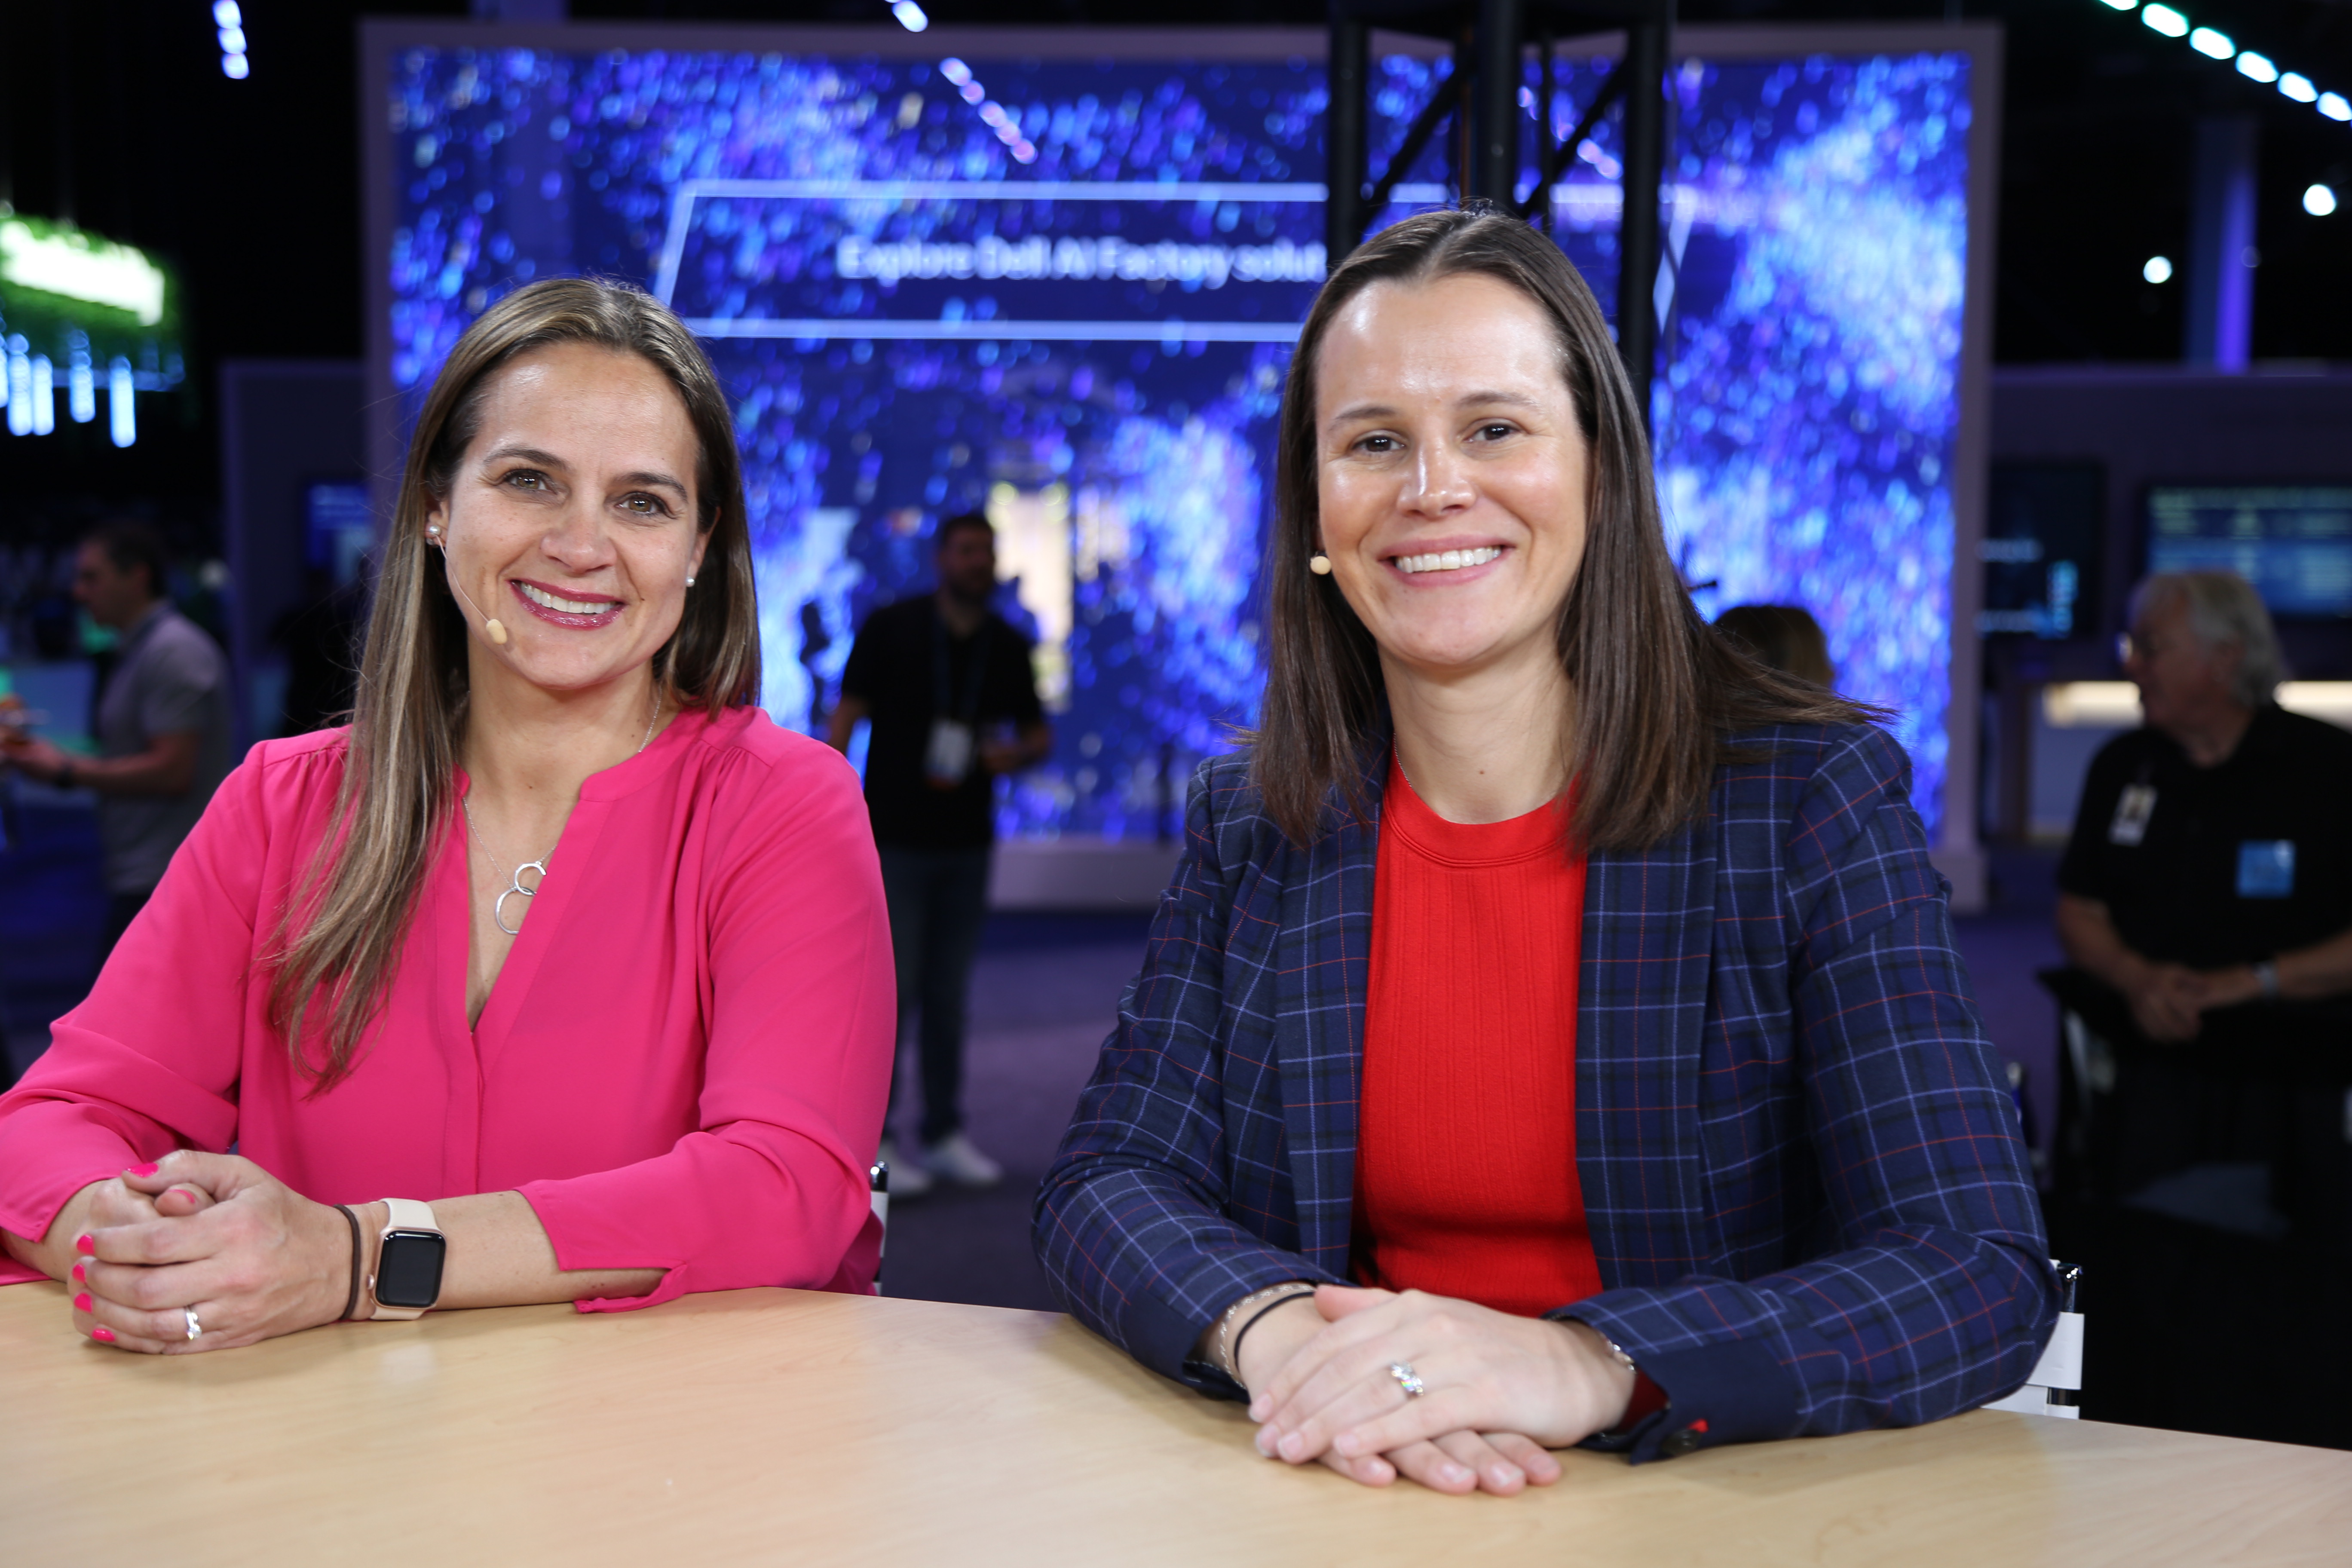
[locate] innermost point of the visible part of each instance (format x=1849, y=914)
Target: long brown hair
x=1657, y=691
x=341, y=934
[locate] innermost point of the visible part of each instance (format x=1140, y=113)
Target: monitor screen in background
x=1063, y=292
x=2045, y=527
x=2293, y=544
x=339, y=527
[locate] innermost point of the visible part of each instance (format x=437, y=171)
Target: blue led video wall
x=1063, y=293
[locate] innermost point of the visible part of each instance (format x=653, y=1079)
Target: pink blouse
x=683, y=1065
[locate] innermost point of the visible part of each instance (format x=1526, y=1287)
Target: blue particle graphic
x=1806, y=404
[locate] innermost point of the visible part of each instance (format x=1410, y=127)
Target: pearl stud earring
x=690, y=582
x=1319, y=563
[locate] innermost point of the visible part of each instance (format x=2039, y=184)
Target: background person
x=1784, y=637
x=2211, y=857
x=947, y=684
x=2211, y=867
x=562, y=946
x=1577, y=988
x=162, y=720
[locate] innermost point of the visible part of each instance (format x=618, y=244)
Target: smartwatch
x=409, y=1255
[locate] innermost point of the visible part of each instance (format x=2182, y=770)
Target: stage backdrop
x=1026, y=274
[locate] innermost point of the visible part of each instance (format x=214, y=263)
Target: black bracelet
x=352, y=1303
x=1243, y=1333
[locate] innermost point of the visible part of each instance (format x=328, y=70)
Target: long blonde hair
x=342, y=930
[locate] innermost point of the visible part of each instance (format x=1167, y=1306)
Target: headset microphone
x=490, y=624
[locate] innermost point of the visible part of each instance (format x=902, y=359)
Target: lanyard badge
x=955, y=716
x=947, y=757
x=2132, y=812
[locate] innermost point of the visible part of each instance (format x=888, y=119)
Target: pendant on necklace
x=515, y=887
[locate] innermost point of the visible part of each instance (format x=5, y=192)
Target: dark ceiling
x=115, y=112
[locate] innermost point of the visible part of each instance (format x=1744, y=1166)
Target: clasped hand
x=1498, y=1390
x=212, y=1232
x=2169, y=1001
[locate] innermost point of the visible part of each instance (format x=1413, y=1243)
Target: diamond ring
x=1407, y=1379
x=195, y=1328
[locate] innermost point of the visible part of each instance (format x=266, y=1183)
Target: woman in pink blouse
x=561, y=975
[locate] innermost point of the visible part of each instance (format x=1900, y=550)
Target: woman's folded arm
x=1129, y=1222
x=148, y=1062
x=1936, y=1295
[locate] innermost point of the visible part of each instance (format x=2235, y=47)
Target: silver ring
x=195, y=1328
x=1406, y=1378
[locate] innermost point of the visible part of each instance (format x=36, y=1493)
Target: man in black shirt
x=2210, y=867
x=947, y=686
x=2212, y=860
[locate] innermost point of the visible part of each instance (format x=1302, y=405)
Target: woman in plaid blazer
x=1804, y=1188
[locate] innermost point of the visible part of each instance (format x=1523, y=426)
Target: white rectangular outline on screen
x=1596, y=199
x=811, y=329
x=886, y=329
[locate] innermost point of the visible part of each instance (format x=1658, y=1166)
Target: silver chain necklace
x=514, y=879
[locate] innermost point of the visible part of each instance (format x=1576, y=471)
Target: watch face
x=408, y=1271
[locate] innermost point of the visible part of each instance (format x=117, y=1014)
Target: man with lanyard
x=2211, y=867
x=947, y=685
x=162, y=720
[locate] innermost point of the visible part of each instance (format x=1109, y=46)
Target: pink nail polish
x=184, y=1194
x=103, y=1333
x=149, y=1169
x=77, y=1275
x=81, y=1302
x=86, y=1247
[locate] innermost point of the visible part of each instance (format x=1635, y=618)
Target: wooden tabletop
x=785, y=1426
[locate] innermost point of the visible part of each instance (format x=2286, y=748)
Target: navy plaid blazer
x=1801, y=1168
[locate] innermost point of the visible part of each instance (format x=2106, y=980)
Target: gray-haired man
x=2211, y=867
x=2212, y=860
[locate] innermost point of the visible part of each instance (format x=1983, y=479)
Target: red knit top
x=1465, y=1165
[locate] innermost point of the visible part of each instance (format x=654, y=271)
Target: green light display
x=80, y=314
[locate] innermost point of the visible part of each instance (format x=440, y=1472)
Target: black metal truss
x=1480, y=95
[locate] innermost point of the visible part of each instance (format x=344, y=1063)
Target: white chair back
x=2055, y=1385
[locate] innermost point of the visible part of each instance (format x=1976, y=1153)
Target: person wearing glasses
x=1553, y=1032
x=2210, y=872
x=560, y=974
x=2210, y=863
